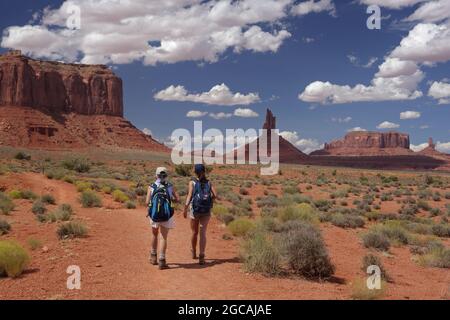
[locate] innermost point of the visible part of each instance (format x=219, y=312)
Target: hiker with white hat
x=160, y=197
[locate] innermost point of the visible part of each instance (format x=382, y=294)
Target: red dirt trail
x=114, y=259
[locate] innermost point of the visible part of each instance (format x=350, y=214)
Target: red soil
x=114, y=259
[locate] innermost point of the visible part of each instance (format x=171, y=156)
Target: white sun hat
x=160, y=170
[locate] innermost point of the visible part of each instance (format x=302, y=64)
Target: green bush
x=184, y=170
x=80, y=165
x=347, y=220
x=48, y=199
x=303, y=212
x=441, y=230
x=438, y=257
x=241, y=227
x=305, y=251
x=395, y=231
x=5, y=227
x=84, y=186
x=34, y=243
x=72, y=229
x=222, y=213
x=89, y=199
x=22, y=156
x=120, y=196
x=6, y=204
x=63, y=213
x=24, y=194
x=261, y=255
x=13, y=259
x=38, y=207
x=130, y=205
x=376, y=240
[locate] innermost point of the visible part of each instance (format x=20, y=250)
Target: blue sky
x=329, y=42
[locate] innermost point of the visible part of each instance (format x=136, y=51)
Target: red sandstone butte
x=362, y=143
x=288, y=153
x=46, y=104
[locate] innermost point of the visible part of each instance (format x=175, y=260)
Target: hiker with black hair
x=199, y=202
x=160, y=197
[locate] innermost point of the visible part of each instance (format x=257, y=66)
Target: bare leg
x=194, y=227
x=153, y=254
x=155, y=239
x=203, y=228
x=163, y=249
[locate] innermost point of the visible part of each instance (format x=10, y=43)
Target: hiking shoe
x=162, y=264
x=201, y=259
x=153, y=259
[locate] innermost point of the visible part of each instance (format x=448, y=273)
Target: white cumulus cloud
x=407, y=115
x=196, y=114
x=306, y=7
x=152, y=31
x=388, y=125
x=440, y=91
x=356, y=129
x=218, y=95
x=245, y=113
x=305, y=145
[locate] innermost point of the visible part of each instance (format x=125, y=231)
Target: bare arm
x=188, y=199
x=149, y=194
x=214, y=193
x=176, y=198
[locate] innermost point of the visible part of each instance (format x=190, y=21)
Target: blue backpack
x=202, y=201
x=161, y=209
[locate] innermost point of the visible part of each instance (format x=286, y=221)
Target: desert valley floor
x=411, y=209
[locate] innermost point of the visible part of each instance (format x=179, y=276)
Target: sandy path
x=114, y=259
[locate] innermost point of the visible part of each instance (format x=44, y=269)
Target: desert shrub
x=269, y=201
x=376, y=240
x=243, y=191
x=14, y=259
x=441, y=230
x=69, y=179
x=395, y=231
x=120, y=196
x=22, y=156
x=89, y=199
x=80, y=165
x=360, y=291
x=373, y=260
x=436, y=197
x=84, y=186
x=303, y=211
x=130, y=205
x=38, y=207
x=323, y=205
x=184, y=170
x=5, y=227
x=261, y=255
x=55, y=173
x=6, y=204
x=290, y=189
x=438, y=257
x=435, y=212
x=423, y=205
x=410, y=209
x=447, y=195
x=15, y=194
x=48, y=199
x=24, y=194
x=304, y=249
x=241, y=227
x=73, y=229
x=63, y=213
x=34, y=244
x=222, y=213
x=347, y=221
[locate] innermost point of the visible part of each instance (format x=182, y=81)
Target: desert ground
x=307, y=233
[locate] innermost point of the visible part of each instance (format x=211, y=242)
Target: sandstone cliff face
x=59, y=88
x=50, y=105
x=368, y=143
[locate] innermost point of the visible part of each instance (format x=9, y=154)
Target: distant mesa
x=46, y=104
x=431, y=151
x=362, y=143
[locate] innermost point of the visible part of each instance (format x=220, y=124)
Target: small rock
x=98, y=265
x=45, y=249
